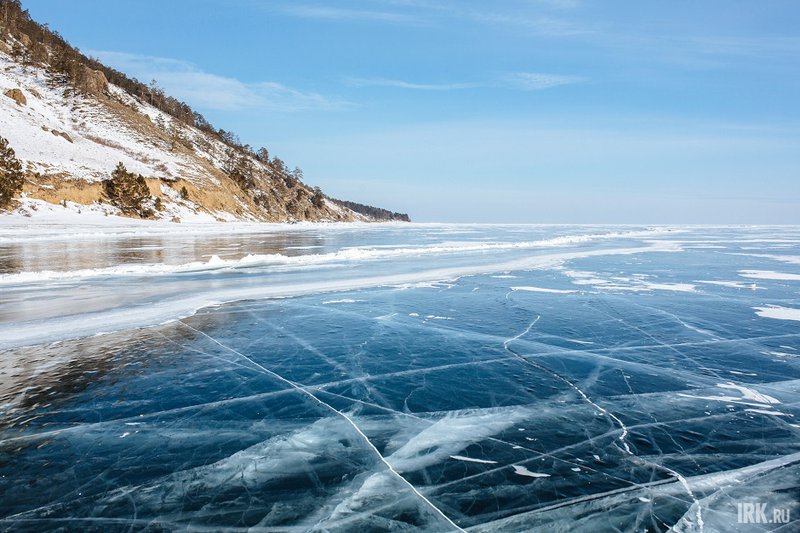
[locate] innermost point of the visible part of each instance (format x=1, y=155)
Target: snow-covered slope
x=99, y=139
x=69, y=142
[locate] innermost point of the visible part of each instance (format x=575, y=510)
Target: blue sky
x=504, y=111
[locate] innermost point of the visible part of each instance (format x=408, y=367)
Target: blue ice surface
x=433, y=378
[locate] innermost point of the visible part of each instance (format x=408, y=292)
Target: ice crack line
x=527, y=330
x=558, y=376
x=685, y=483
x=622, y=438
x=302, y=390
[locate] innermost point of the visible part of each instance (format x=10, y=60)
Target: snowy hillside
x=97, y=138
x=70, y=141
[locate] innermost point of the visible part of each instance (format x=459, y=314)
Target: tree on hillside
x=230, y=161
x=292, y=179
x=240, y=169
x=278, y=165
x=22, y=54
x=175, y=137
x=129, y=192
x=11, y=176
x=39, y=54
x=317, y=199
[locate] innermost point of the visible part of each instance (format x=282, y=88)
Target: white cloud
x=538, y=25
x=400, y=84
x=537, y=81
x=187, y=82
x=426, y=12
x=334, y=13
x=560, y=4
x=745, y=46
x=524, y=81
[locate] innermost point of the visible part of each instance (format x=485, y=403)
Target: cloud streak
x=187, y=82
x=423, y=12
x=343, y=14
x=536, y=81
x=400, y=84
x=523, y=81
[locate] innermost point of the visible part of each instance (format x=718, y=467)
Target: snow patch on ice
x=522, y=471
x=473, y=460
x=791, y=259
x=765, y=412
x=542, y=289
x=769, y=274
x=778, y=312
x=731, y=284
x=748, y=396
x=677, y=287
x=633, y=283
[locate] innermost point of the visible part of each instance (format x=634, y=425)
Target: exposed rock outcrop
x=93, y=82
x=17, y=95
x=63, y=134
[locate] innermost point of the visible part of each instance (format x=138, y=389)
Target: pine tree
x=175, y=137
x=120, y=172
x=128, y=191
x=317, y=199
x=11, y=176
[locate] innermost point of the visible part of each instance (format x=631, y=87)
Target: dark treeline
x=375, y=212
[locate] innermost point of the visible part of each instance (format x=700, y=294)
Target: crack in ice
x=623, y=427
x=341, y=414
x=558, y=376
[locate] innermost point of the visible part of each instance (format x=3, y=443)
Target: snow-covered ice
x=778, y=312
x=769, y=274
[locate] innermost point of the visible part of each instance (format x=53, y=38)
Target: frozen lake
x=398, y=377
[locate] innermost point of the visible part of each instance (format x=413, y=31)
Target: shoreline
x=94, y=215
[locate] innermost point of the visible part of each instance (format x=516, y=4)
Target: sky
x=519, y=111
